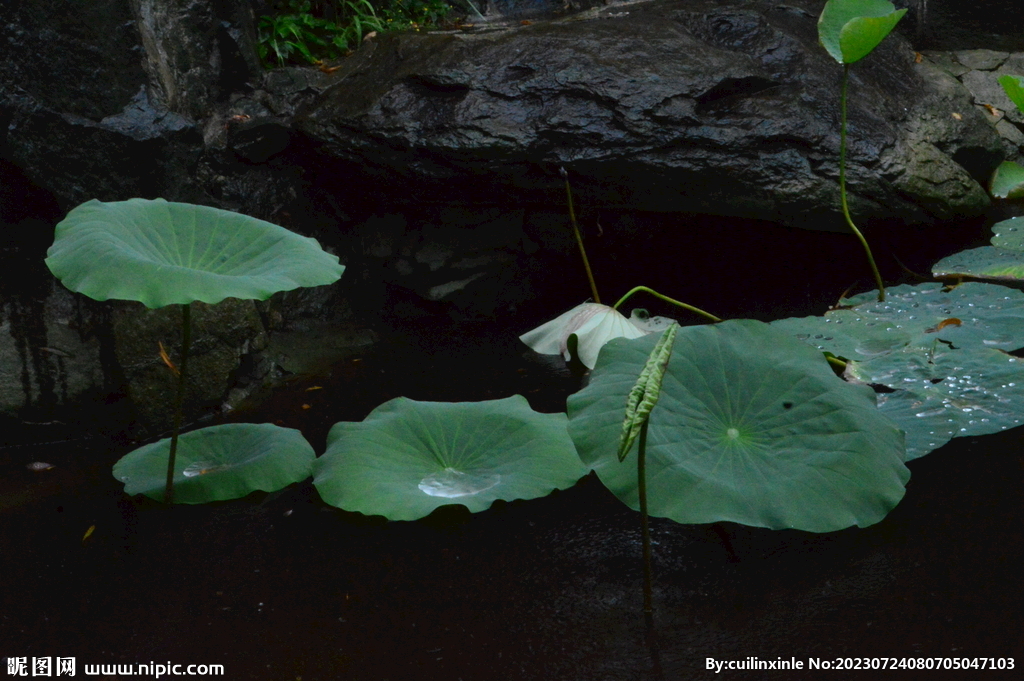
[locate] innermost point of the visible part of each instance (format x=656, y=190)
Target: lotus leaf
x=220, y=462
x=850, y=29
x=160, y=253
x=408, y=458
x=987, y=262
x=751, y=426
x=947, y=393
x=1009, y=234
x=1014, y=88
x=1007, y=181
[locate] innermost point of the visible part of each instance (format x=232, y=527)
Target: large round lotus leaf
x=987, y=262
x=1009, y=234
x=159, y=253
x=1007, y=181
x=221, y=462
x=947, y=393
x=408, y=458
x=850, y=29
x=751, y=426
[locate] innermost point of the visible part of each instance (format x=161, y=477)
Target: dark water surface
x=283, y=587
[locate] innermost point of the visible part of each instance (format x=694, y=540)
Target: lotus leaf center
x=732, y=433
x=451, y=483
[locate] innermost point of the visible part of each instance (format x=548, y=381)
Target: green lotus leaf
x=947, y=393
x=987, y=262
x=408, y=458
x=160, y=253
x=973, y=314
x=221, y=462
x=850, y=29
x=1007, y=181
x=1014, y=88
x=1009, y=234
x=751, y=426
x=593, y=325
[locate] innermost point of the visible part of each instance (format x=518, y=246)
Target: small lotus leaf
x=1007, y=181
x=408, y=458
x=220, y=462
x=160, y=253
x=987, y=262
x=1009, y=234
x=850, y=29
x=1014, y=88
x=770, y=438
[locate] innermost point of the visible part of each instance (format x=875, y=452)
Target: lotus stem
x=842, y=185
x=836, y=362
x=654, y=293
x=579, y=239
x=645, y=530
x=179, y=399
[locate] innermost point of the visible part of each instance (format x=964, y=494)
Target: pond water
x=283, y=586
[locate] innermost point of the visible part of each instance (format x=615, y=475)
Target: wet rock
x=222, y=336
x=728, y=108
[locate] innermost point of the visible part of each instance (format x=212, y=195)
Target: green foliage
x=408, y=458
x=218, y=463
x=312, y=31
x=850, y=29
x=162, y=253
x=751, y=426
x=940, y=354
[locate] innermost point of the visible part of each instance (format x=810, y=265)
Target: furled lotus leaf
x=850, y=29
x=987, y=262
x=1014, y=88
x=1009, y=234
x=593, y=325
x=160, y=253
x=408, y=458
x=947, y=393
x=220, y=462
x=1007, y=181
x=770, y=438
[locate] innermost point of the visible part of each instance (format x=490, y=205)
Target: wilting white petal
x=594, y=325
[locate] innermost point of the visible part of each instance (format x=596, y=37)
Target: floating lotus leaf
x=850, y=29
x=593, y=325
x=947, y=393
x=987, y=262
x=160, y=253
x=408, y=458
x=1014, y=88
x=1007, y=181
x=976, y=314
x=751, y=426
x=221, y=462
x=1009, y=234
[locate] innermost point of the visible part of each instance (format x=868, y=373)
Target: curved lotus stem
x=675, y=302
x=842, y=186
x=579, y=239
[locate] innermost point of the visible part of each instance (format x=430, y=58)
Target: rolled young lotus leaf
x=160, y=253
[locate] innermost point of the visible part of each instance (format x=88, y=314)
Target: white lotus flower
x=593, y=325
